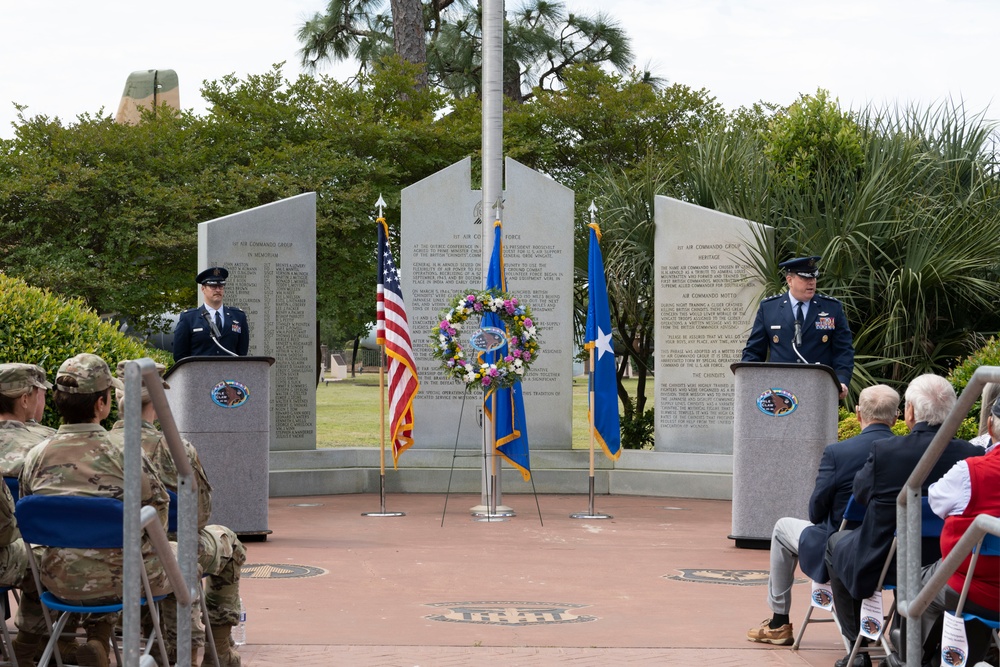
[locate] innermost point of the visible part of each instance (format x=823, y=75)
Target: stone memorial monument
x=270, y=252
x=441, y=256
x=705, y=303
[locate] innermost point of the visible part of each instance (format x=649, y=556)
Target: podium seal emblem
x=230, y=394
x=777, y=402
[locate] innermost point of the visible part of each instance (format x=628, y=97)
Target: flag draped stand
x=393, y=336
x=590, y=513
x=381, y=454
x=605, y=425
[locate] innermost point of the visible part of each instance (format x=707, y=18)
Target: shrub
x=637, y=432
x=987, y=355
x=38, y=327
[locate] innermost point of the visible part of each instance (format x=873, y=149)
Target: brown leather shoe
x=780, y=636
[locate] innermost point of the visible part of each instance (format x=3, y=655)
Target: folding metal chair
x=77, y=522
x=930, y=526
x=854, y=513
x=988, y=546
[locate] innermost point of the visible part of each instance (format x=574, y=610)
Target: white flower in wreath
x=443, y=339
x=531, y=331
x=519, y=370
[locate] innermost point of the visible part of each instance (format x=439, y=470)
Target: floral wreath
x=522, y=340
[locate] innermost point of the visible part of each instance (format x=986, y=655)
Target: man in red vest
x=970, y=488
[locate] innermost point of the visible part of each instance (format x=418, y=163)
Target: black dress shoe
x=860, y=660
x=892, y=660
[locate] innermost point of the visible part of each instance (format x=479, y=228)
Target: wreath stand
x=490, y=512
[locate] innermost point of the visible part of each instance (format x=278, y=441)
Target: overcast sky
x=65, y=58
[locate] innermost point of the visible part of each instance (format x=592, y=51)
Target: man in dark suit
x=795, y=540
x=855, y=557
x=800, y=319
x=199, y=329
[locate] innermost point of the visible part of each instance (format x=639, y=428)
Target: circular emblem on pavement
x=518, y=614
x=729, y=577
x=777, y=402
x=279, y=571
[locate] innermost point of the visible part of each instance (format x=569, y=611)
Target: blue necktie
x=218, y=321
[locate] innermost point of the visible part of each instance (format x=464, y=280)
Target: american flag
x=393, y=332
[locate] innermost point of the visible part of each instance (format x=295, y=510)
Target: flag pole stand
x=590, y=513
x=493, y=511
x=381, y=476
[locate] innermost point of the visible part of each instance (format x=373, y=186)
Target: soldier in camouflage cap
x=220, y=552
x=80, y=459
x=22, y=406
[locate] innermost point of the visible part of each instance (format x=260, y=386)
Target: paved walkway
x=659, y=584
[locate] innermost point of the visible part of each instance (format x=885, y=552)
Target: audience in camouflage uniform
x=80, y=459
x=220, y=552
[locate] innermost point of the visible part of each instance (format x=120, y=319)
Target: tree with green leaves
x=541, y=40
x=108, y=213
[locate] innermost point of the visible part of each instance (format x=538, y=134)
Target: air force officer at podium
x=205, y=330
x=801, y=326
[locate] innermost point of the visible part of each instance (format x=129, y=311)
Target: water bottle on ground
x=240, y=631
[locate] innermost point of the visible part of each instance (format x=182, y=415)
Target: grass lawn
x=347, y=412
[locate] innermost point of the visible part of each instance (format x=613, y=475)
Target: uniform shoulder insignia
x=772, y=297
x=827, y=297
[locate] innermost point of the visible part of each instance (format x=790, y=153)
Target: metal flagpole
x=492, y=149
x=590, y=514
x=381, y=411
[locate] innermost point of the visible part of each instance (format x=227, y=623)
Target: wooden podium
x=222, y=405
x=784, y=415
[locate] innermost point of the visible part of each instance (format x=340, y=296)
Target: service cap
x=802, y=266
x=215, y=275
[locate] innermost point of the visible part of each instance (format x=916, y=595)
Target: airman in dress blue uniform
x=193, y=335
x=825, y=334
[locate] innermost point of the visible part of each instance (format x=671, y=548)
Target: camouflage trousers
x=220, y=557
x=13, y=563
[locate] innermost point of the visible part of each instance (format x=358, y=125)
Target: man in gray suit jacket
x=804, y=542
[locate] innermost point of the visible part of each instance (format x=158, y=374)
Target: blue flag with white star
x=603, y=383
x=510, y=427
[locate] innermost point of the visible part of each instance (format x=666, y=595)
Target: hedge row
x=37, y=327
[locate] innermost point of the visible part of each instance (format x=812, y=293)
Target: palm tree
x=541, y=41
x=909, y=228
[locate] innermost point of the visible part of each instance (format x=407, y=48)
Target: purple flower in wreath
x=486, y=380
x=516, y=354
x=509, y=307
x=528, y=323
x=526, y=355
x=508, y=358
x=478, y=307
x=444, y=325
x=494, y=372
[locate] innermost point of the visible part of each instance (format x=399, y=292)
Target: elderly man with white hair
x=855, y=558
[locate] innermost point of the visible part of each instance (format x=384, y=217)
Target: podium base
x=751, y=542
x=383, y=514
x=587, y=515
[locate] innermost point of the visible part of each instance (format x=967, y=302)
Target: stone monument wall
x=441, y=255
x=270, y=252
x=705, y=303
